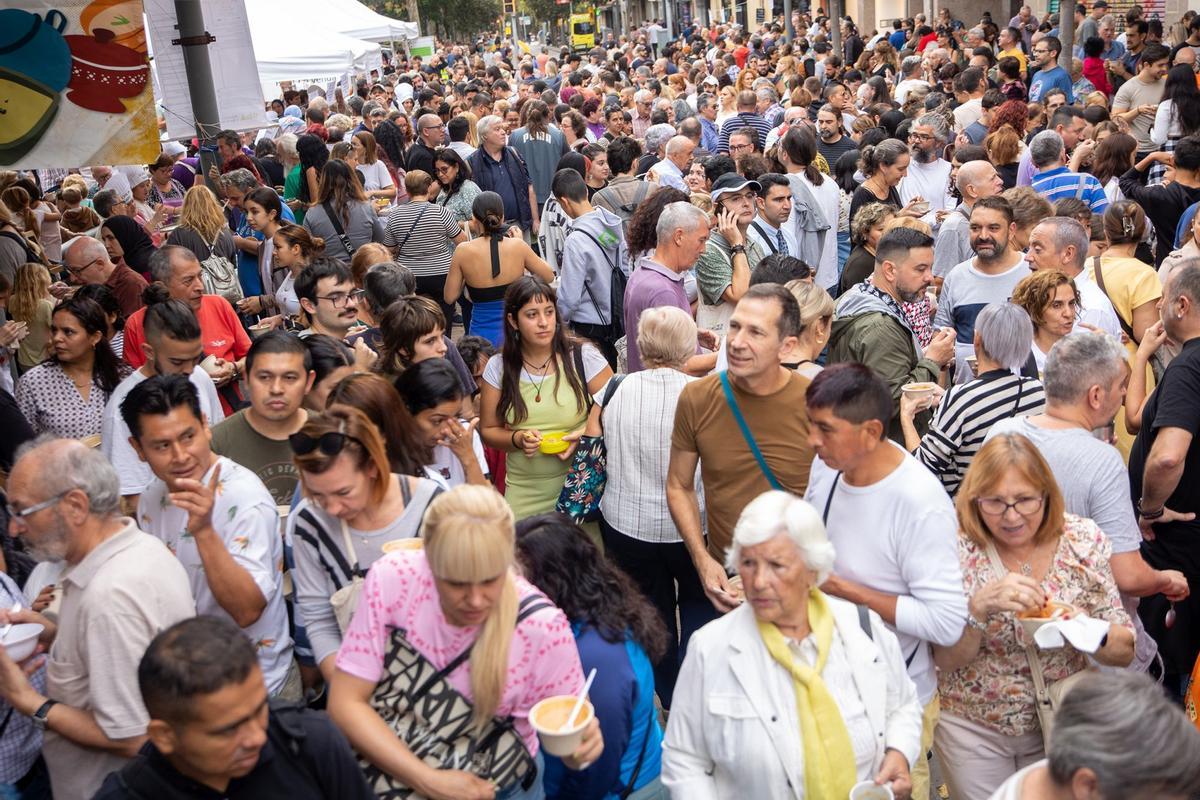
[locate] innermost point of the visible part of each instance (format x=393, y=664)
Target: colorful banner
x=74, y=84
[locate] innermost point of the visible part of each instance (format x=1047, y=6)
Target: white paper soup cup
x=869, y=790
x=22, y=639
x=549, y=717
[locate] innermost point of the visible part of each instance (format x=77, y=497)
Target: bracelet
x=1150, y=515
x=513, y=439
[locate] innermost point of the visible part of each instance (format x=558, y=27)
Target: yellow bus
x=583, y=31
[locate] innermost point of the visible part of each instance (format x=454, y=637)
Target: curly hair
x=870, y=215
x=642, y=236
x=558, y=557
x=1036, y=291
x=1014, y=113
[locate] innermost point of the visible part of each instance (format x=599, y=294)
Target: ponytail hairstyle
x=1124, y=222
x=20, y=206
x=299, y=236
x=488, y=210
x=886, y=153
x=537, y=116
x=800, y=144
x=469, y=538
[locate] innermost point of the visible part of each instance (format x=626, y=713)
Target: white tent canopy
x=294, y=43
x=352, y=18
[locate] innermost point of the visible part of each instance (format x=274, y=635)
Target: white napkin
x=1083, y=632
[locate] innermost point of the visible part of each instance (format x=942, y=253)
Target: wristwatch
x=39, y=716
x=975, y=624
x=738, y=248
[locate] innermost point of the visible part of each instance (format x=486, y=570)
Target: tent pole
x=194, y=40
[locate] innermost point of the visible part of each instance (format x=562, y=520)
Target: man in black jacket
x=212, y=733
x=1164, y=204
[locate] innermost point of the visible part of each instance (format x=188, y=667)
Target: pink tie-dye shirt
x=399, y=593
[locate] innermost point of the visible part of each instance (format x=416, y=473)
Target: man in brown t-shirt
x=87, y=262
x=763, y=328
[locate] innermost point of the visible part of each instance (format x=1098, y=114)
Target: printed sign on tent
x=74, y=84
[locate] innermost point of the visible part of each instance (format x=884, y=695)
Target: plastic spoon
x=1169, y=621
x=579, y=700
x=15, y=608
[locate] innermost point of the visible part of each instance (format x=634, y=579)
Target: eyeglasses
x=337, y=299
x=329, y=444
x=920, y=137
x=85, y=267
x=36, y=507
x=740, y=148
x=996, y=507
x=444, y=168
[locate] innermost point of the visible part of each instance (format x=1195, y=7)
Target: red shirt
x=739, y=55
x=926, y=39
x=220, y=332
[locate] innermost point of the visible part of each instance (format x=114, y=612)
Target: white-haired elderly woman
x=794, y=694
x=1091, y=753
x=1003, y=337
x=639, y=534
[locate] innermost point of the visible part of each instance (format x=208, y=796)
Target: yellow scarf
x=829, y=762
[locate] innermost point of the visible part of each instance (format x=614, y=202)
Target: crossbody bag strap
x=527, y=608
x=337, y=227
x=350, y=553
x=1035, y=663
x=404, y=241
x=637, y=768
x=764, y=236
x=1125, y=326
x=829, y=499
x=746, y=434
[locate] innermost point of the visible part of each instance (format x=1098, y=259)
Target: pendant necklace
x=537, y=397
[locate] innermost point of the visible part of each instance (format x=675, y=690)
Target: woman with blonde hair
x=472, y=128
x=32, y=304
x=1019, y=551
x=354, y=509
x=202, y=226
x=816, y=320
x=455, y=610
x=728, y=97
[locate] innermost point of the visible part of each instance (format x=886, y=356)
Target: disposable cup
x=869, y=790
x=22, y=639
x=552, y=443
x=919, y=391
x=550, y=716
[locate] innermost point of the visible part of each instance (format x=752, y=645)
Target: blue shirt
x=897, y=39
x=623, y=695
x=708, y=135
x=1046, y=79
x=22, y=742
x=1056, y=184
x=247, y=263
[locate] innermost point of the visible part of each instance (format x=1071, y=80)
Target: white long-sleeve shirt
x=1166, y=124
x=899, y=536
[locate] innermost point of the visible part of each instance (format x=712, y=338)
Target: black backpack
x=616, y=290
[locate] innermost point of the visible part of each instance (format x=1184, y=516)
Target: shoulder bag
x=413, y=227
x=1046, y=699
x=748, y=436
x=219, y=274
x=345, y=599
x=1125, y=326
x=434, y=720
x=588, y=474
x=337, y=227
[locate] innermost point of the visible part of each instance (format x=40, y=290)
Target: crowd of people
x=827, y=401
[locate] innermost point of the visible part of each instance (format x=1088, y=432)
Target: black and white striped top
x=420, y=235
x=967, y=413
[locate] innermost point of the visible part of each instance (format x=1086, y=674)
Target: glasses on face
x=337, y=299
x=442, y=169
x=85, y=267
x=997, y=507
x=740, y=148
x=920, y=137
x=329, y=444
x=24, y=513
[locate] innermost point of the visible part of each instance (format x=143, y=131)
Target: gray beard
x=925, y=156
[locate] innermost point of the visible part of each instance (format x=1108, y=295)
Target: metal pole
x=835, y=28
x=1066, y=35
x=788, y=28
x=194, y=40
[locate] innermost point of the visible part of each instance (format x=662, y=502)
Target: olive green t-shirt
x=269, y=459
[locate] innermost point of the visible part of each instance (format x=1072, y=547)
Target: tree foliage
x=455, y=20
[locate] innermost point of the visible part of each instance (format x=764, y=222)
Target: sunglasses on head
x=329, y=444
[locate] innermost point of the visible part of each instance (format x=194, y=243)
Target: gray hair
x=679, y=216
x=767, y=93
x=773, y=513
x=703, y=101
x=242, y=179
x=104, y=200
x=657, y=136
x=76, y=466
x=485, y=125
x=286, y=146
x=666, y=337
x=385, y=283
x=1079, y=361
x=677, y=143
x=1070, y=232
x=1184, y=280
x=162, y=266
x=936, y=121
x=910, y=65
x=1101, y=716
x=369, y=107
x=683, y=110
x=1046, y=148
x=1005, y=334
x=642, y=95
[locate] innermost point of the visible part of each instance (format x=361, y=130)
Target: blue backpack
x=1185, y=224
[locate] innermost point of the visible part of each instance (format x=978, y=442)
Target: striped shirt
x=746, y=119
x=420, y=235
x=967, y=413
x=1057, y=184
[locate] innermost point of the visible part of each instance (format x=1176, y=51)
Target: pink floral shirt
x=996, y=689
x=399, y=593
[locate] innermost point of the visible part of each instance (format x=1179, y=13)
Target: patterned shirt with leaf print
x=246, y=519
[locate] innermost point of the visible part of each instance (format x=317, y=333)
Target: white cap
x=173, y=149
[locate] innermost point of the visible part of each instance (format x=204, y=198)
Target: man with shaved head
x=670, y=170
x=429, y=136
x=87, y=261
x=976, y=180
x=120, y=587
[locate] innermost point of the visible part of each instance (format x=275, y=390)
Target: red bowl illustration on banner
x=103, y=72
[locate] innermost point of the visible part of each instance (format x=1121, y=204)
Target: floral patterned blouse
x=996, y=689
